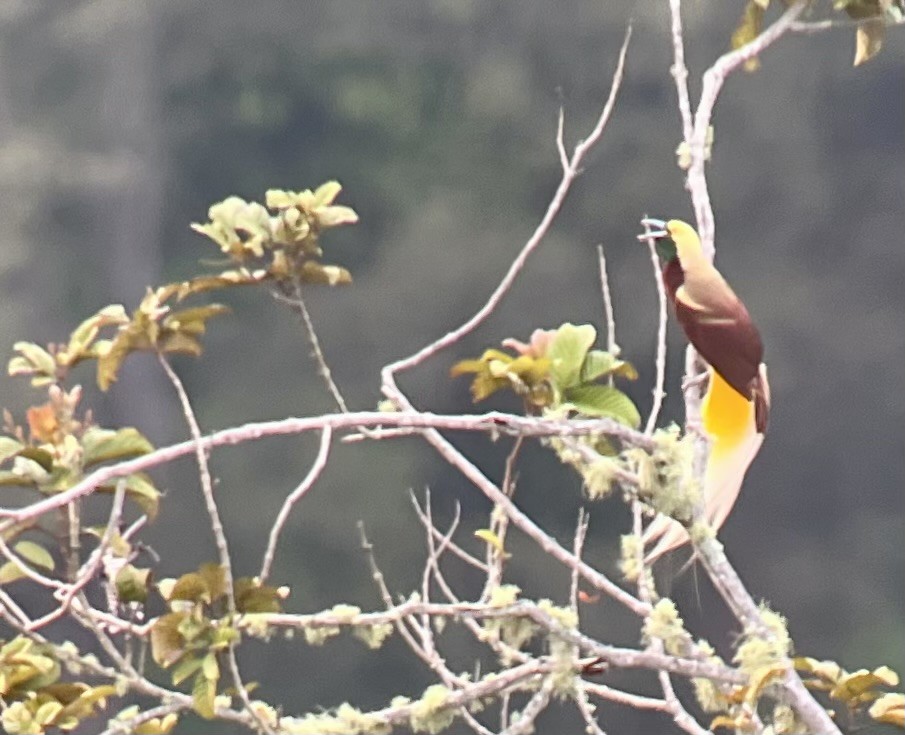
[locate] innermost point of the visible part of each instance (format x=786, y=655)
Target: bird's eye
x=666, y=248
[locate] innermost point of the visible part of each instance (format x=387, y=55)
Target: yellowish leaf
x=748, y=29
x=889, y=708
x=490, y=538
x=869, y=37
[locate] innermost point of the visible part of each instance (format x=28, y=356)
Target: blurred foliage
x=442, y=113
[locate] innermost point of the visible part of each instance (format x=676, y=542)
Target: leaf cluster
x=35, y=699
x=857, y=689
x=556, y=370
x=57, y=446
x=279, y=243
x=190, y=638
x=276, y=241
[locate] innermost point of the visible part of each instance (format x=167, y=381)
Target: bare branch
x=524, y=725
x=611, y=344
x=819, y=26
x=492, y=423
x=453, y=547
x=713, y=80
x=296, y=302
x=320, y=461
x=679, y=71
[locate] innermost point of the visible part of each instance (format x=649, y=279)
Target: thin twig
x=453, y=547
x=570, y=173
x=90, y=568
x=660, y=361
x=499, y=524
x=213, y=512
x=678, y=69
x=297, y=303
x=546, y=542
x=581, y=531
x=586, y=709
x=818, y=26
x=320, y=461
x=524, y=725
x=611, y=345
x=712, y=83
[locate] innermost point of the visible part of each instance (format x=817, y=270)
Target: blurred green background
x=120, y=123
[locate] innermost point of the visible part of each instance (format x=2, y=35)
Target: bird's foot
x=696, y=427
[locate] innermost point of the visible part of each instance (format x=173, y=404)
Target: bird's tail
x=735, y=441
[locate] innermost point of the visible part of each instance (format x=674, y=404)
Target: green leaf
x=214, y=578
x=490, y=538
x=82, y=337
x=226, y=279
x=130, y=338
x=141, y=491
x=181, y=343
x=10, y=572
x=132, y=583
x=861, y=685
x=9, y=479
x=40, y=456
x=599, y=363
x=210, y=668
x=203, y=694
x=603, y=401
x=253, y=597
x=186, y=668
x=31, y=552
x=103, y=445
x=190, y=587
x=166, y=640
x=567, y=353
x=157, y=725
x=35, y=554
x=9, y=447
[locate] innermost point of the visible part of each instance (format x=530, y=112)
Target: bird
x=736, y=405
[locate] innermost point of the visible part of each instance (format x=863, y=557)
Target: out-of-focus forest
x=120, y=123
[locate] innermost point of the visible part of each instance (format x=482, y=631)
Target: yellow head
x=687, y=242
x=675, y=239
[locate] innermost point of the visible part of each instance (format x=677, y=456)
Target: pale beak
x=659, y=228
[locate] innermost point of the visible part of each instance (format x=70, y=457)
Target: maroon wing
x=732, y=347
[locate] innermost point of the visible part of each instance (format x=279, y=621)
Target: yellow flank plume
x=727, y=415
